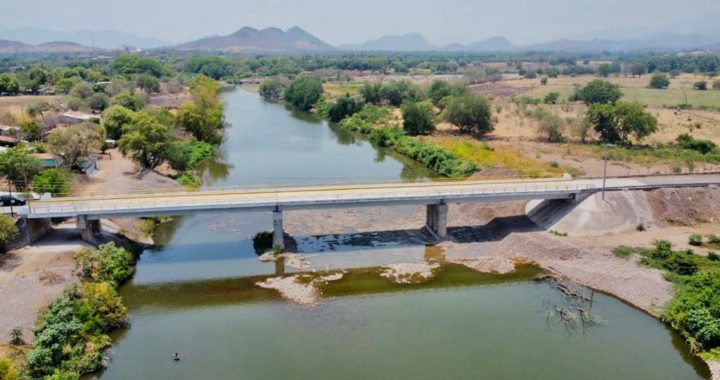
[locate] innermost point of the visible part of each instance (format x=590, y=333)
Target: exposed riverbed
x=198, y=293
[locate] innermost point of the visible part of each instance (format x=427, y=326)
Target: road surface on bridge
x=99, y=206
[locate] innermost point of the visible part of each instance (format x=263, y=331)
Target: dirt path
x=30, y=278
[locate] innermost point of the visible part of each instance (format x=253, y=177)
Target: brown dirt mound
x=686, y=206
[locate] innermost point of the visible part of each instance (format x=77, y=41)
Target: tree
x=638, y=68
x=551, y=128
x=9, y=84
x=371, y=93
x=659, y=81
x=417, y=118
x=441, y=89
x=38, y=108
x=116, y=118
x=81, y=90
x=700, y=85
x=204, y=117
x=551, y=97
x=148, y=83
x=395, y=93
x=604, y=70
x=345, y=106
x=8, y=231
x=98, y=102
x=304, y=92
x=129, y=101
x=75, y=142
x=146, y=141
x=272, y=89
x=51, y=181
x=31, y=130
x=18, y=167
x=7, y=372
x=617, y=123
x=599, y=91
x=470, y=113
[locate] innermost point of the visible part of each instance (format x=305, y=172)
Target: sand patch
x=292, y=289
x=409, y=273
x=494, y=264
x=714, y=369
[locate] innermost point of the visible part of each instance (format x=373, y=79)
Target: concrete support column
x=436, y=219
x=89, y=229
x=278, y=232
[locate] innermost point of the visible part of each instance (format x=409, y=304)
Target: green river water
x=196, y=295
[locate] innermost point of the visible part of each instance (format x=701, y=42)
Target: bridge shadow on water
x=495, y=230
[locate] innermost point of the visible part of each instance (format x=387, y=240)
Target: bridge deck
x=179, y=203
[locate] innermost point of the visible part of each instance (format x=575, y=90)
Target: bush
x=107, y=263
x=7, y=372
x=662, y=250
x=599, y=92
x=712, y=256
x=470, y=113
x=16, y=337
x=304, y=92
x=659, y=81
x=263, y=242
x=52, y=181
x=700, y=85
x=685, y=141
x=345, y=106
x=188, y=180
x=8, y=232
x=272, y=89
x=696, y=240
x=417, y=118
x=695, y=310
x=623, y=252
x=551, y=98
x=185, y=155
x=363, y=120
x=714, y=239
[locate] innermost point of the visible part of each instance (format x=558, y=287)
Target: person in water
x=176, y=357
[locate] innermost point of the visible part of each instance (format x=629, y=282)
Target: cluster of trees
x=703, y=63
x=303, y=93
x=72, y=332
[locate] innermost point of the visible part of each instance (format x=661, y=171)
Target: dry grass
x=15, y=105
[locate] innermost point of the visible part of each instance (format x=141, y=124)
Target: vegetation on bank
x=695, y=307
x=72, y=332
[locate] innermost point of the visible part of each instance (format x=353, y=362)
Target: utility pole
x=12, y=213
x=607, y=153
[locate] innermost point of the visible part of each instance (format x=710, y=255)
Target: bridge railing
x=285, y=197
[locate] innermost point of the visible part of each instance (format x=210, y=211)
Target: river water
x=196, y=294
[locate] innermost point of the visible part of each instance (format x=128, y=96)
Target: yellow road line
x=286, y=191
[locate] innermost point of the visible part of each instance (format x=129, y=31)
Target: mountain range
x=264, y=40
x=104, y=39
x=296, y=40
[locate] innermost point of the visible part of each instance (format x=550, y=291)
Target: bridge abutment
x=89, y=229
x=278, y=232
x=436, y=219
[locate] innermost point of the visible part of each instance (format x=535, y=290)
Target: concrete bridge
x=90, y=209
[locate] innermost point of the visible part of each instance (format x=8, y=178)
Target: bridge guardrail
x=78, y=207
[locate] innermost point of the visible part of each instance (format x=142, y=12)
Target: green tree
x=372, y=93
x=272, y=89
x=7, y=372
x=51, y=181
x=204, y=117
x=115, y=119
x=470, y=113
x=599, y=91
x=638, y=68
x=304, y=92
x=76, y=142
x=81, y=90
x=396, y=92
x=345, y=106
x=700, y=85
x=98, y=102
x=441, y=89
x=148, y=83
x=417, y=118
x=9, y=84
x=659, y=81
x=31, y=129
x=8, y=231
x=617, y=123
x=129, y=101
x=146, y=141
x=134, y=64
x=38, y=108
x=604, y=70
x=18, y=167
x=551, y=97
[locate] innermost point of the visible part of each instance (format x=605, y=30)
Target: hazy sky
x=342, y=21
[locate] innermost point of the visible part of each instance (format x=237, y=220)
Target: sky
x=342, y=21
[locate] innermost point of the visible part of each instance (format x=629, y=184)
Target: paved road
x=177, y=203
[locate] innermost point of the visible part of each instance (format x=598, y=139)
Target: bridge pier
x=436, y=219
x=278, y=232
x=89, y=229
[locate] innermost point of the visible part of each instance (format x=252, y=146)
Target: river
x=196, y=293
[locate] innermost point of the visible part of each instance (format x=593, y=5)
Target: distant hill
x=254, y=40
x=494, y=44
x=665, y=42
x=405, y=42
x=105, y=39
x=10, y=47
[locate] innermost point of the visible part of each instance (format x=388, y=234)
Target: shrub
x=186, y=155
x=272, y=89
x=551, y=97
x=599, y=92
x=304, y=92
x=470, y=113
x=623, y=252
x=700, y=85
x=714, y=239
x=7, y=372
x=696, y=240
x=417, y=118
x=52, y=181
x=188, y=180
x=263, y=242
x=8, y=231
x=695, y=310
x=685, y=141
x=662, y=250
x=16, y=337
x=712, y=256
x=363, y=121
x=345, y=106
x=659, y=81
x=106, y=263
